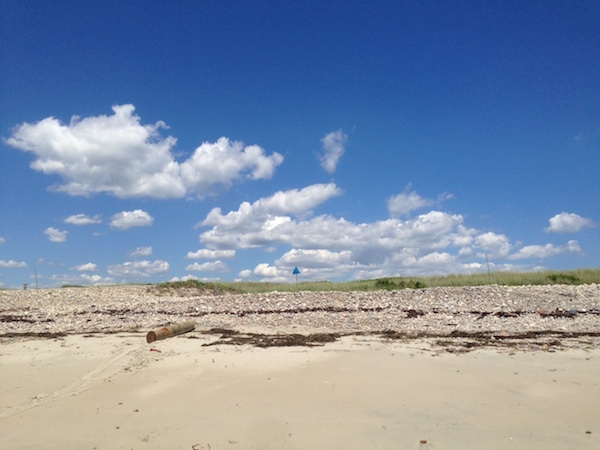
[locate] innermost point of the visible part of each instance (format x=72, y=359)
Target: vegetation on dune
x=580, y=276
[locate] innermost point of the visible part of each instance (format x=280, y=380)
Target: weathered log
x=171, y=330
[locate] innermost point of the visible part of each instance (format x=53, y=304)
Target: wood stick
x=171, y=330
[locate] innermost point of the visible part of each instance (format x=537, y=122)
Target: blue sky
x=151, y=141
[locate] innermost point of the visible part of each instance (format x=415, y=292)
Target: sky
x=150, y=141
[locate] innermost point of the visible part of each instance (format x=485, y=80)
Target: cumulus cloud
x=83, y=219
x=493, y=245
x=10, y=264
x=88, y=267
x=128, y=219
x=333, y=149
x=403, y=204
x=138, y=269
x=545, y=251
x=119, y=155
x=79, y=279
x=55, y=235
x=568, y=223
x=185, y=278
x=215, y=266
x=269, y=212
x=141, y=252
x=327, y=247
x=205, y=253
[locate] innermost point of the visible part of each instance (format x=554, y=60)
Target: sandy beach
x=210, y=389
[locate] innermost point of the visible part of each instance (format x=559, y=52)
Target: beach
x=458, y=368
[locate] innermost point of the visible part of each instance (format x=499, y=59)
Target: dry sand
x=115, y=392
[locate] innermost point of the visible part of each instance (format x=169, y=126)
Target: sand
x=116, y=392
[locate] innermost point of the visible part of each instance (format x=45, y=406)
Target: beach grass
x=573, y=277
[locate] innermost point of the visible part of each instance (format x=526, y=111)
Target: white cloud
x=118, y=155
x=333, y=149
x=2, y=241
x=403, y=204
x=545, y=251
x=128, y=219
x=55, y=235
x=205, y=253
x=247, y=273
x=327, y=247
x=216, y=165
x=82, y=219
x=215, y=266
x=79, y=279
x=185, y=278
x=138, y=269
x=494, y=245
x=267, y=213
x=568, y=223
x=316, y=258
x=10, y=264
x=140, y=252
x=88, y=267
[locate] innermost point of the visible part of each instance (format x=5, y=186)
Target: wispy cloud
x=333, y=148
x=408, y=201
x=141, y=252
x=83, y=219
x=215, y=266
x=88, y=267
x=205, y=253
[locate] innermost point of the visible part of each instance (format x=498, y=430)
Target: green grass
x=580, y=276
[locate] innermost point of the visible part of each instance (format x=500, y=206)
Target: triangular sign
x=296, y=271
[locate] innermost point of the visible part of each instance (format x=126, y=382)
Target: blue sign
x=296, y=271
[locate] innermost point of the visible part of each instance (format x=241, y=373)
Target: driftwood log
x=171, y=330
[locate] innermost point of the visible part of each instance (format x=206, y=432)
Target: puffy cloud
x=215, y=266
x=317, y=258
x=79, y=279
x=568, y=223
x=185, y=278
x=10, y=264
x=89, y=267
x=545, y=251
x=403, y=204
x=140, y=252
x=205, y=253
x=82, y=219
x=128, y=219
x=138, y=269
x=327, y=247
x=118, y=155
x=246, y=273
x=267, y=213
x=2, y=241
x=494, y=245
x=333, y=149
x=217, y=165
x=55, y=235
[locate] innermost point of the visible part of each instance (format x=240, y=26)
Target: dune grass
x=579, y=276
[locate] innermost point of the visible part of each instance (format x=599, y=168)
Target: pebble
x=501, y=310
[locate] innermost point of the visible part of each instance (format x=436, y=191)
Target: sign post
x=296, y=272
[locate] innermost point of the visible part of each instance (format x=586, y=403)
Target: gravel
x=497, y=312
